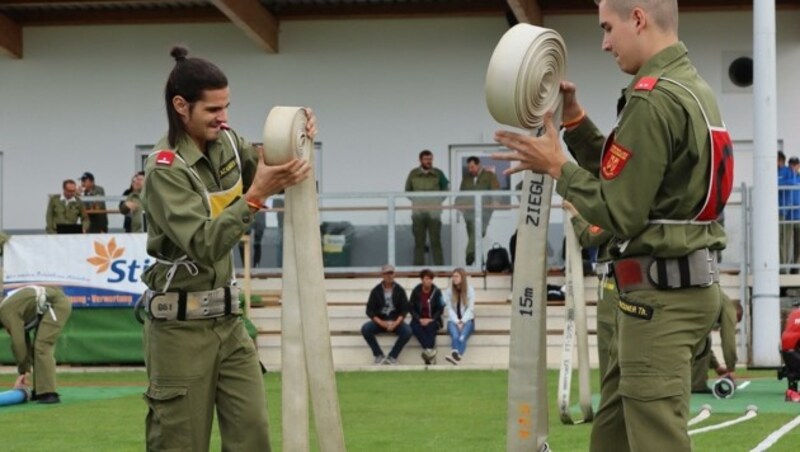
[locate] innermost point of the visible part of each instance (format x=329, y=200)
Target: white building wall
x=83, y=98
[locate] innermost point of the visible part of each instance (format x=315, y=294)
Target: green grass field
x=382, y=411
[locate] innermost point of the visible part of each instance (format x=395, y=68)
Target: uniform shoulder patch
x=614, y=161
x=646, y=84
x=594, y=229
x=165, y=157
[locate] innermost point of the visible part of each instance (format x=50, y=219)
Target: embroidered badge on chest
x=227, y=167
x=614, y=161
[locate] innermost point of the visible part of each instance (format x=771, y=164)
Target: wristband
x=574, y=122
x=253, y=204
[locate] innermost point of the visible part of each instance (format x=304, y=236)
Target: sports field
x=455, y=410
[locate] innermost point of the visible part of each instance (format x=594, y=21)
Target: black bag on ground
x=497, y=260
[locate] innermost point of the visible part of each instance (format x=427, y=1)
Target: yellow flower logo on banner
x=105, y=255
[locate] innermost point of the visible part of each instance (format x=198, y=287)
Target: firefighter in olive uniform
x=477, y=178
x=426, y=219
x=657, y=183
x=34, y=317
x=203, y=185
x=66, y=208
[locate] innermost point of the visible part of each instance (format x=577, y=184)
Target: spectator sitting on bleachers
x=387, y=308
x=460, y=301
x=426, y=305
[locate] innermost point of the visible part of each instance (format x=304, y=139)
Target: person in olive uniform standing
x=66, y=208
x=427, y=222
x=34, y=317
x=588, y=236
x=98, y=222
x=657, y=185
x=202, y=186
x=477, y=178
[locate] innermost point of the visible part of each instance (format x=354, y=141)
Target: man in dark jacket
x=387, y=308
x=426, y=306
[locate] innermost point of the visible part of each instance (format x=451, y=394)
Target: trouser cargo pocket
x=646, y=388
x=168, y=418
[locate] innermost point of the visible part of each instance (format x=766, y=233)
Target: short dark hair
x=425, y=153
x=794, y=161
x=67, y=182
x=188, y=79
x=781, y=156
x=426, y=272
x=473, y=159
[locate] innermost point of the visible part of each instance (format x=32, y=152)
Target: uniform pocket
x=646, y=388
x=168, y=418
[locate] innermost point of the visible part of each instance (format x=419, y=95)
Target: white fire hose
x=306, y=355
x=522, y=84
x=575, y=333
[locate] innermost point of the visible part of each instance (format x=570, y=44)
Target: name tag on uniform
x=227, y=167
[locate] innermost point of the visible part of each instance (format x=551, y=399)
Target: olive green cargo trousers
x=194, y=366
x=644, y=401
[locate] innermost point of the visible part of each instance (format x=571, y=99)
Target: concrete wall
x=84, y=98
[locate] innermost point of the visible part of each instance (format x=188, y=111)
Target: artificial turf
x=460, y=410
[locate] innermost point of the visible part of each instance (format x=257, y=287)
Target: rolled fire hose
x=522, y=84
x=575, y=333
x=306, y=355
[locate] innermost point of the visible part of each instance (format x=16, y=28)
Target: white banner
x=93, y=269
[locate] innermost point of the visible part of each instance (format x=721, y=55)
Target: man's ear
x=639, y=18
x=181, y=106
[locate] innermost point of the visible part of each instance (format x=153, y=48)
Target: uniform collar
x=189, y=151
x=67, y=201
x=655, y=66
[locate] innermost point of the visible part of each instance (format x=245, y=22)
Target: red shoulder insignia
x=646, y=84
x=614, y=160
x=165, y=157
x=594, y=229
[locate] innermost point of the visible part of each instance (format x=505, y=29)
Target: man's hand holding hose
x=542, y=154
x=270, y=180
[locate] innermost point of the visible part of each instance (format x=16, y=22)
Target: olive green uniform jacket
x=65, y=212
x=177, y=212
x=665, y=176
x=431, y=180
x=657, y=168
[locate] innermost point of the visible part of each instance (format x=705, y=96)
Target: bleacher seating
x=488, y=347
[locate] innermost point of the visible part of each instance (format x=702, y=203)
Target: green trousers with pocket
x=644, y=400
x=194, y=366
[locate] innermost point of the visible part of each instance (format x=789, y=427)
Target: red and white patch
x=594, y=229
x=165, y=157
x=614, y=160
x=646, y=84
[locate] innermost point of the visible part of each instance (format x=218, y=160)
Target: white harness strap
x=184, y=260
